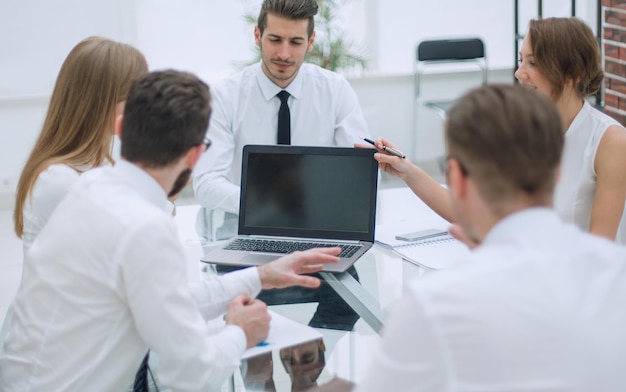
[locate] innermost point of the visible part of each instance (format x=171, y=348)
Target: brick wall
x=614, y=42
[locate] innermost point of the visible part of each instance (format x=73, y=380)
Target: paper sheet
x=283, y=333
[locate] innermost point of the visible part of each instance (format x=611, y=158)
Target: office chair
x=437, y=57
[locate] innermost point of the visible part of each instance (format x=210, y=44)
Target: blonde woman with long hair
x=78, y=130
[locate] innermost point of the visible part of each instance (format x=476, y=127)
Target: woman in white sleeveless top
x=561, y=58
x=77, y=133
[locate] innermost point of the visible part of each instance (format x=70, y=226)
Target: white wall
x=210, y=39
x=403, y=23
x=35, y=37
x=388, y=106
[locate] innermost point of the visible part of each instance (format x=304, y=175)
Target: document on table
x=283, y=333
x=435, y=253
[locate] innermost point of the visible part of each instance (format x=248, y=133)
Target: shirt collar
x=530, y=224
x=583, y=113
x=269, y=89
x=142, y=183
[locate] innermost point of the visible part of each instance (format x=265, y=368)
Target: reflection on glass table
x=332, y=310
x=381, y=280
x=303, y=363
x=381, y=273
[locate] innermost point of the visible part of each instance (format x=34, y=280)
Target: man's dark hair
x=166, y=113
x=290, y=9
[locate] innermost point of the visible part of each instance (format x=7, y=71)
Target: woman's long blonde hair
x=79, y=124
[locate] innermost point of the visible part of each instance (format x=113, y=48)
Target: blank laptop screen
x=309, y=191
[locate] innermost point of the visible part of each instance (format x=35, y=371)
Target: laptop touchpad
x=259, y=258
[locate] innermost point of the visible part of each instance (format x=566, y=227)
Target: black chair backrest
x=450, y=49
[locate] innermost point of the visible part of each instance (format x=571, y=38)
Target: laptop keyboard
x=285, y=247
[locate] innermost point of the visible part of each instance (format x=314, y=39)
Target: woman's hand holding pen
x=392, y=164
x=421, y=183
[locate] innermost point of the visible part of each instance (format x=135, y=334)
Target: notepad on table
x=283, y=333
x=438, y=252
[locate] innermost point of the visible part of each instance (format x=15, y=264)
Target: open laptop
x=295, y=198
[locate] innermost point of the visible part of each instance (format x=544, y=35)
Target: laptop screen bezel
x=307, y=233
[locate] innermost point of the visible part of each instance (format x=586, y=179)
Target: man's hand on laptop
x=286, y=271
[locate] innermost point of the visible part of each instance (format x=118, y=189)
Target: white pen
x=390, y=150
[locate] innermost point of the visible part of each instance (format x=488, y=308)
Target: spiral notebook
x=434, y=253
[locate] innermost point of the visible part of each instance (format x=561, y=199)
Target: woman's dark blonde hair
x=79, y=124
x=566, y=48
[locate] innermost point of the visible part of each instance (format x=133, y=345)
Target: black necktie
x=284, y=119
x=141, y=378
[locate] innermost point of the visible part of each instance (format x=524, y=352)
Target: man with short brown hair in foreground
x=539, y=305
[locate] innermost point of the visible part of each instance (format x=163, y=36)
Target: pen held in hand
x=389, y=150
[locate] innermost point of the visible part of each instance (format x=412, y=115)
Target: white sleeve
x=211, y=182
x=350, y=122
x=50, y=188
x=410, y=355
x=212, y=295
x=155, y=287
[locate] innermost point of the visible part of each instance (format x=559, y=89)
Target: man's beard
x=180, y=183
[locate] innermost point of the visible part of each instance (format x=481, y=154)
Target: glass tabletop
x=295, y=368
x=350, y=333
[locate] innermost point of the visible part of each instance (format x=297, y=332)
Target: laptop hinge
x=300, y=239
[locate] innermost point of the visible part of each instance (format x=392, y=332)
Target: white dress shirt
x=324, y=111
x=539, y=306
x=576, y=189
x=51, y=186
x=104, y=282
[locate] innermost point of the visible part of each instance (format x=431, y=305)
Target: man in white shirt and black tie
x=322, y=107
x=279, y=100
